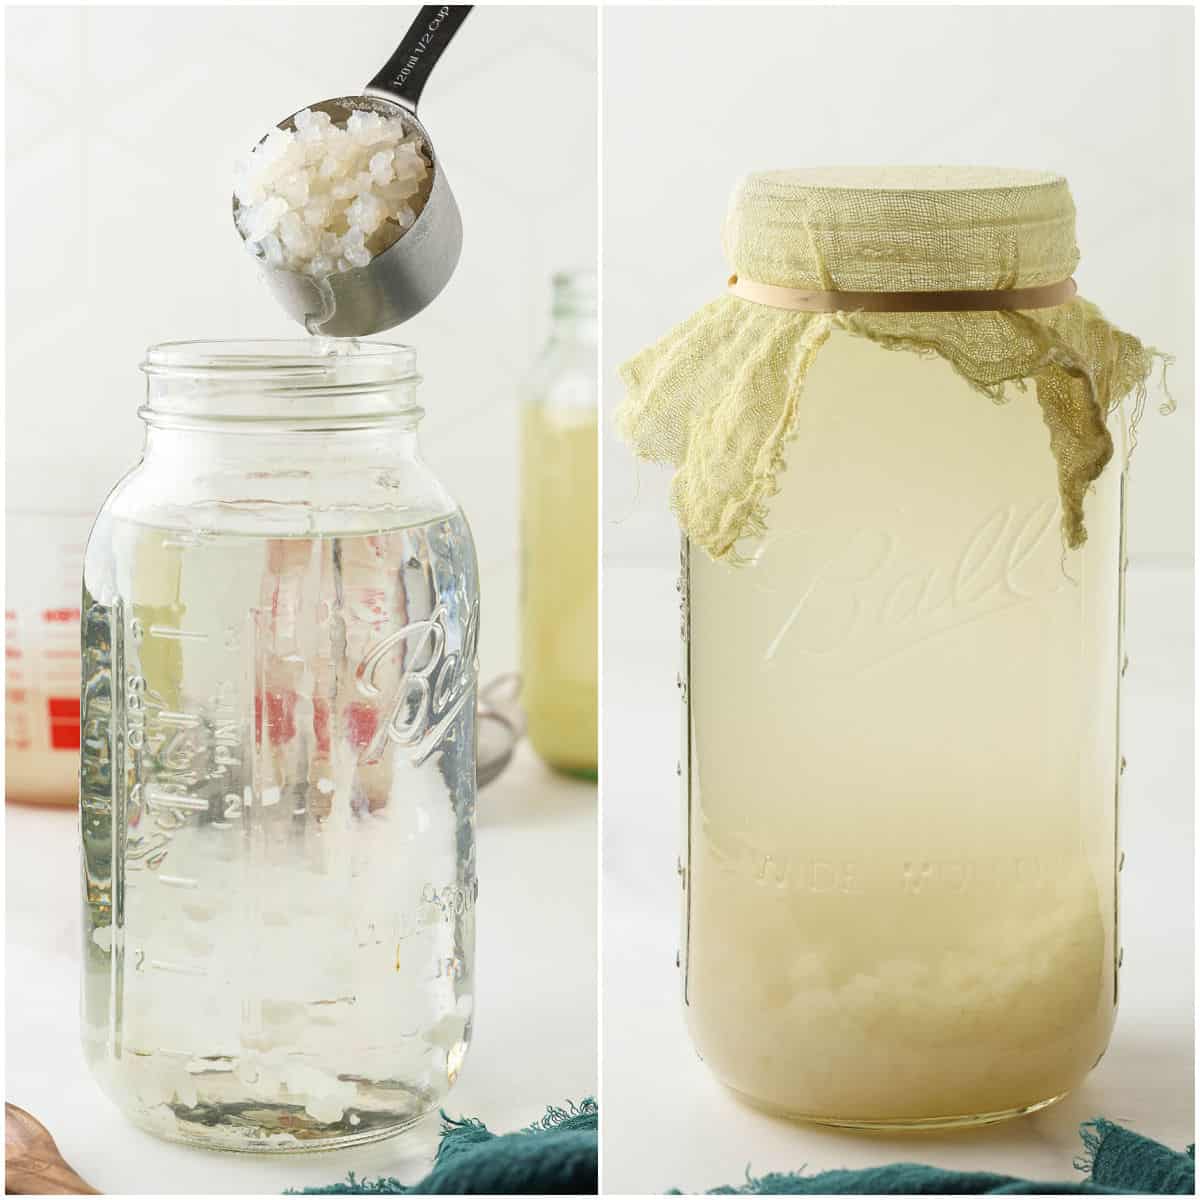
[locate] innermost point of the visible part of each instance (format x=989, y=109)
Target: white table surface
x=667, y=1123
x=535, y=1027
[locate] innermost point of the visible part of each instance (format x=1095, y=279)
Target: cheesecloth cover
x=718, y=395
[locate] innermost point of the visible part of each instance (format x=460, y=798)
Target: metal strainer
x=400, y=281
x=500, y=724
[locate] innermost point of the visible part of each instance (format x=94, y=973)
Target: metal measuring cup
x=400, y=281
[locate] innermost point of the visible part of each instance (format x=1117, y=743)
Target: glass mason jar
x=900, y=443
x=559, y=535
x=280, y=614
x=902, y=767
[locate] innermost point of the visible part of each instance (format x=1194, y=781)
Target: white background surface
x=694, y=98
x=535, y=1024
x=123, y=126
x=129, y=182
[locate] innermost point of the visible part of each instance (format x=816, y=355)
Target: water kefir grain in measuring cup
x=291, y=963
x=919, y=938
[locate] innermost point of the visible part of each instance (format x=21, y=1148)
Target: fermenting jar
x=280, y=613
x=559, y=534
x=902, y=654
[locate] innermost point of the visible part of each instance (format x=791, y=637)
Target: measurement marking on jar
x=157, y=797
x=449, y=968
x=177, y=635
x=210, y=1064
x=157, y=964
x=136, y=852
x=181, y=719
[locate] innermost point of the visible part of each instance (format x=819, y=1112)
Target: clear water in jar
x=278, y=830
x=904, y=763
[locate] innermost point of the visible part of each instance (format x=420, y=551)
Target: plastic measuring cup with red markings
x=41, y=651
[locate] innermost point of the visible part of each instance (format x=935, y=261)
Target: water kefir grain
x=902, y=838
x=559, y=605
x=326, y=198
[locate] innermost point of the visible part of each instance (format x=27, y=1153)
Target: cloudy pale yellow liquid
x=904, y=764
x=559, y=602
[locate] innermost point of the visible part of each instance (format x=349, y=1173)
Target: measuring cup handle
x=404, y=74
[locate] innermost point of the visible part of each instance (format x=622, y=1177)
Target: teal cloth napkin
x=556, y=1156
x=1118, y=1162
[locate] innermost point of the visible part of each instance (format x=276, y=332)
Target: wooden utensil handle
x=31, y=1177
x=33, y=1165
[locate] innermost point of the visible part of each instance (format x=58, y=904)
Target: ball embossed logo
x=433, y=686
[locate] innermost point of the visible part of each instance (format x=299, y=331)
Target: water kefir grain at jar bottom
x=559, y=602
x=903, y=775
x=254, y=994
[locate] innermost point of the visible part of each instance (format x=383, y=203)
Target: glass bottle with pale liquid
x=903, y=773
x=559, y=535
